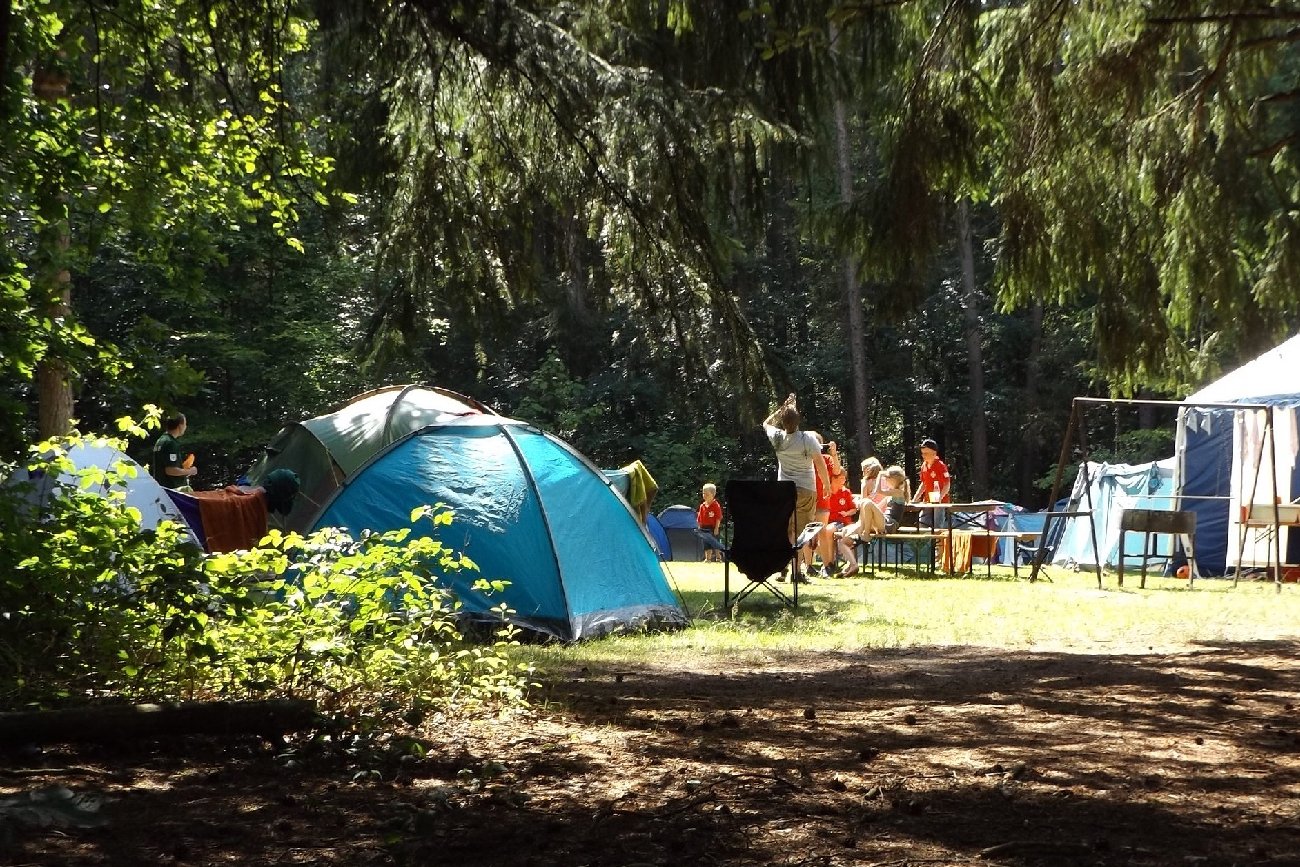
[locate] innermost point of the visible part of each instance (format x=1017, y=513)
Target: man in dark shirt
x=169, y=465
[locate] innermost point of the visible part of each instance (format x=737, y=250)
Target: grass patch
x=903, y=610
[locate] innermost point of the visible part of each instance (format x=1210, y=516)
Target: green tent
x=327, y=449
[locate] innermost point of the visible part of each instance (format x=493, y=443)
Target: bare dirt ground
x=933, y=756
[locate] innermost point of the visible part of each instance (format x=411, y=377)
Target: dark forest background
x=640, y=225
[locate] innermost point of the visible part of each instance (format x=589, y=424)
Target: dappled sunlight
x=1069, y=614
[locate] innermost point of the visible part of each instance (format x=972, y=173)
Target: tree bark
x=100, y=724
x=974, y=356
x=853, y=299
x=1032, y=436
x=53, y=282
x=6, y=16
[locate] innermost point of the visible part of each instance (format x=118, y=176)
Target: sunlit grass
x=899, y=611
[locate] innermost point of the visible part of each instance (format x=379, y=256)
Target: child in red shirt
x=708, y=518
x=841, y=511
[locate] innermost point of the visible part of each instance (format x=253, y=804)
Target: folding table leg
x=1147, y=551
x=1122, y=534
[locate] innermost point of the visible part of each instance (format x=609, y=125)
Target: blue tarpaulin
x=1112, y=488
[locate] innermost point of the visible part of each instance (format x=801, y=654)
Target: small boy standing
x=708, y=518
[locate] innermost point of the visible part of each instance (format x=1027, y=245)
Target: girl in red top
x=841, y=511
x=831, y=458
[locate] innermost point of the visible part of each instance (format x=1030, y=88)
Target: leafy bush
x=92, y=605
x=356, y=621
x=82, y=588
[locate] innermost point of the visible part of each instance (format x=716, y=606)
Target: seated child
x=841, y=511
x=876, y=515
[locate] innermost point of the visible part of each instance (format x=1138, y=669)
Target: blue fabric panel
x=189, y=509
x=659, y=536
x=606, y=561
x=1207, y=467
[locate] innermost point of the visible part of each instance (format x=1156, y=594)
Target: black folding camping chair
x=759, y=514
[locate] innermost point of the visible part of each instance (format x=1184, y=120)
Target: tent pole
x=1245, y=501
x=1242, y=514
x=575, y=628
x=1277, y=518
x=1087, y=493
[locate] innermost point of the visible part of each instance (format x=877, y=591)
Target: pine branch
x=1286, y=38
x=1282, y=96
x=1271, y=150
x=1251, y=15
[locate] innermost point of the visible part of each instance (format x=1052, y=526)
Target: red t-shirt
x=823, y=499
x=934, y=478
x=709, y=515
x=843, y=509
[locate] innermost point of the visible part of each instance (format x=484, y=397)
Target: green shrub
x=349, y=621
x=82, y=588
x=92, y=606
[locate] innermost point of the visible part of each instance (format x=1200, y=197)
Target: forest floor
x=935, y=756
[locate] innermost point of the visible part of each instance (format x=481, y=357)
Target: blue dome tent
x=679, y=528
x=528, y=509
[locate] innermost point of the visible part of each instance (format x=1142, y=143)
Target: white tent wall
x=140, y=491
x=1260, y=472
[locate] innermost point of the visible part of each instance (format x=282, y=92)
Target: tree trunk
x=781, y=257
x=53, y=385
x=6, y=16
x=853, y=301
x=1032, y=436
x=1146, y=412
x=974, y=357
x=575, y=240
x=53, y=281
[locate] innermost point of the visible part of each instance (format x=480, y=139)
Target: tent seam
x=546, y=520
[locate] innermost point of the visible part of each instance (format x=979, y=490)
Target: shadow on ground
x=935, y=756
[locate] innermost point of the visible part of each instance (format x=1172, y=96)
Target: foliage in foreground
x=91, y=606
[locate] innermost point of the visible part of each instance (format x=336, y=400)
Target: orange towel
x=956, y=561
x=983, y=546
x=232, y=518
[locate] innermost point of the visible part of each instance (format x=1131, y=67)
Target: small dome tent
x=325, y=450
x=679, y=527
x=142, y=491
x=528, y=509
